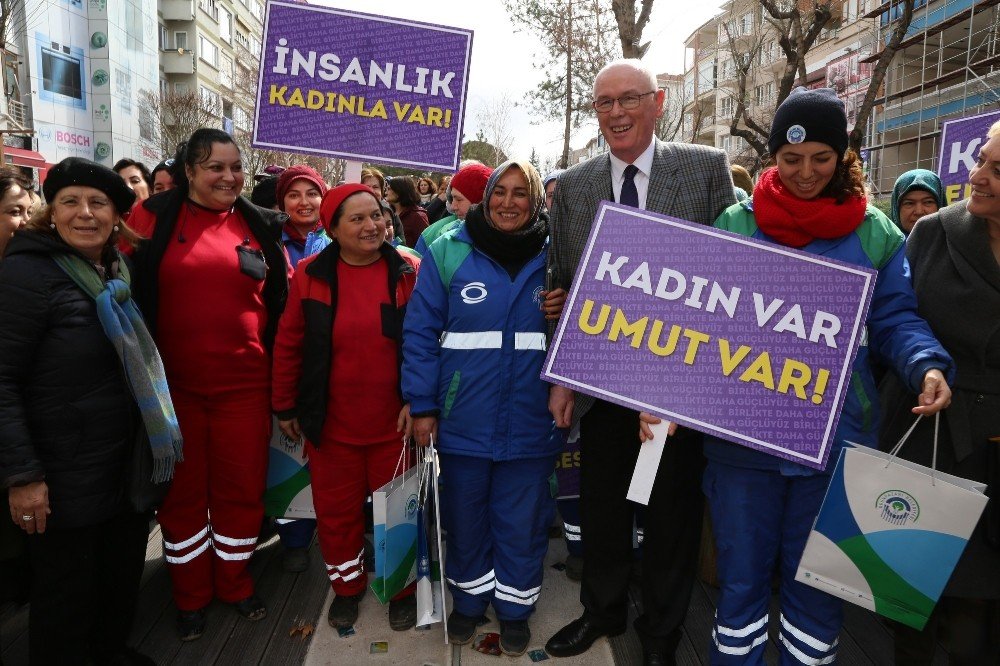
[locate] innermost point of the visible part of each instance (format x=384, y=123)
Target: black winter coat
x=67, y=415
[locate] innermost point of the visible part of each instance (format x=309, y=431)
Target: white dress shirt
x=644, y=163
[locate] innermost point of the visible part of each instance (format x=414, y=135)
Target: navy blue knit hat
x=810, y=115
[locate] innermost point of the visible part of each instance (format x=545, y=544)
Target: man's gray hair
x=633, y=63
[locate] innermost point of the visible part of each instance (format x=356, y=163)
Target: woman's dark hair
x=406, y=191
x=848, y=180
x=165, y=165
x=430, y=184
x=125, y=163
x=397, y=224
x=9, y=177
x=196, y=150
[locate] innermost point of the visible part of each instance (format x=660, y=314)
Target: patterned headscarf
x=536, y=192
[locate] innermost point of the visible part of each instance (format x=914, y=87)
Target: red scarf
x=797, y=222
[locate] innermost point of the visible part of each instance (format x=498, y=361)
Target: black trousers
x=83, y=596
x=609, y=443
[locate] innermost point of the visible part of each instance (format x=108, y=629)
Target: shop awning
x=24, y=158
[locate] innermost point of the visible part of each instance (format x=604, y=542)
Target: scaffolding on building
x=948, y=66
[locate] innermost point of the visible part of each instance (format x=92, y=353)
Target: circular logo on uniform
x=474, y=292
x=898, y=507
x=796, y=134
x=536, y=295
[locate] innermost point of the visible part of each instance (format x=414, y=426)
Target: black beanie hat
x=810, y=115
x=78, y=171
x=265, y=192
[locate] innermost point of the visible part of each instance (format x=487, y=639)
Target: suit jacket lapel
x=663, y=183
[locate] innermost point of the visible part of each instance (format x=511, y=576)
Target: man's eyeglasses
x=629, y=102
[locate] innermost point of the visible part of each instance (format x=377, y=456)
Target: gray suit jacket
x=690, y=182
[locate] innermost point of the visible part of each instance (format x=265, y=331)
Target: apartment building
x=212, y=47
x=72, y=73
x=741, y=39
x=949, y=67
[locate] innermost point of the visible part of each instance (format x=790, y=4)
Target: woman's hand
x=425, y=427
x=552, y=303
x=291, y=429
x=561, y=402
x=645, y=420
x=935, y=394
x=30, y=500
x=404, y=423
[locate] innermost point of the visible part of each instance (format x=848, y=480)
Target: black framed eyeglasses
x=628, y=102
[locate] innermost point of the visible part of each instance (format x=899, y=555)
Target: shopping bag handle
x=899, y=445
x=403, y=461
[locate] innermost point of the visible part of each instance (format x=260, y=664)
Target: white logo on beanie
x=796, y=134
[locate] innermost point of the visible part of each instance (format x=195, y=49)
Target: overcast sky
x=502, y=59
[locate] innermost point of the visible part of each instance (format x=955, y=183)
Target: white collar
x=644, y=163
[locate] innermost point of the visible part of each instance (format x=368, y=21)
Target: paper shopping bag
x=289, y=491
x=889, y=534
x=394, y=508
x=430, y=583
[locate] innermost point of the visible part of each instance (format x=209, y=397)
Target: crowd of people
x=157, y=325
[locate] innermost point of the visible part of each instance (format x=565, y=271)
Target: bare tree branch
x=878, y=75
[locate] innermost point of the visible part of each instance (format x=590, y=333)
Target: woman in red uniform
x=212, y=280
x=336, y=381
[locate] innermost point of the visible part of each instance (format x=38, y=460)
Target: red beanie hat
x=471, y=181
x=335, y=197
x=293, y=173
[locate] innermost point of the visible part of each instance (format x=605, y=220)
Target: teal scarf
x=128, y=334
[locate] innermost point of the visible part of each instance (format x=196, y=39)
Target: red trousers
x=211, y=517
x=343, y=476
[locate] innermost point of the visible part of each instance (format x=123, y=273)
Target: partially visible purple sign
x=746, y=340
x=339, y=83
x=960, y=143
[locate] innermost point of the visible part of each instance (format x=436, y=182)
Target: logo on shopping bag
x=411, y=506
x=898, y=507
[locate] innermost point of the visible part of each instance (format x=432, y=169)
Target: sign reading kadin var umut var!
x=961, y=140
x=339, y=83
x=735, y=337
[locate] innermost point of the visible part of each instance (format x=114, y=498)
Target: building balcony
x=177, y=10
x=18, y=113
x=175, y=62
x=210, y=8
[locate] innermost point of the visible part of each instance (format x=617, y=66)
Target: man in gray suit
x=685, y=181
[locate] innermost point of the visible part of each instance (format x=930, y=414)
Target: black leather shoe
x=577, y=637
x=344, y=610
x=462, y=628
x=514, y=637
x=251, y=608
x=656, y=659
x=403, y=613
x=191, y=624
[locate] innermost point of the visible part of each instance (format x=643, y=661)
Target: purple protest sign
x=746, y=340
x=960, y=143
x=339, y=83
